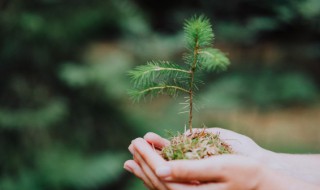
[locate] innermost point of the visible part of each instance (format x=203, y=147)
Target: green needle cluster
x=163, y=77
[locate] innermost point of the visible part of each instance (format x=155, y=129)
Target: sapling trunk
x=163, y=77
x=192, y=71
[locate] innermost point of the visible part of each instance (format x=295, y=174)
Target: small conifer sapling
x=163, y=77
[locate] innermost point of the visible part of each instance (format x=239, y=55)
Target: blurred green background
x=66, y=119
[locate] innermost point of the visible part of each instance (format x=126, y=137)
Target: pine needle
x=164, y=77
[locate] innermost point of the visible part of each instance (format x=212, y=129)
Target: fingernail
x=127, y=168
x=163, y=171
x=131, y=149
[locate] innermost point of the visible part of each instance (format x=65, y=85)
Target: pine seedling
x=164, y=77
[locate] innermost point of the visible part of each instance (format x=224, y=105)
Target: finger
x=181, y=170
x=150, y=156
x=131, y=150
x=134, y=168
x=205, y=186
x=205, y=170
x=218, y=168
x=156, y=183
x=156, y=140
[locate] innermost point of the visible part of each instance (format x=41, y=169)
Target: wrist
x=269, y=159
x=270, y=179
x=274, y=162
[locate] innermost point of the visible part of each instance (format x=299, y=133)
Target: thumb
x=210, y=169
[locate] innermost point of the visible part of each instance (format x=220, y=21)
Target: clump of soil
x=195, y=146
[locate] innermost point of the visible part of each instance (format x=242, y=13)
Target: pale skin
x=250, y=168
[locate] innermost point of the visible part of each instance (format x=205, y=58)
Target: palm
x=240, y=144
x=220, y=170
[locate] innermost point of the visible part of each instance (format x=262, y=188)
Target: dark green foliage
x=79, y=171
x=266, y=91
x=59, y=128
x=45, y=116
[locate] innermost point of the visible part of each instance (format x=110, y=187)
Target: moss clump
x=195, y=146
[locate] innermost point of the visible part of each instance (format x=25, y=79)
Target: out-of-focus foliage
x=264, y=90
x=60, y=124
x=104, y=73
x=65, y=118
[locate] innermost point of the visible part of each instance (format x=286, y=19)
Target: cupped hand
x=241, y=145
x=218, y=173
x=246, y=169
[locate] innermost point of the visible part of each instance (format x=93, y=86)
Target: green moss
x=195, y=146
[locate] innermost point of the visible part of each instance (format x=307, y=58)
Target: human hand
x=224, y=172
x=221, y=172
x=241, y=145
x=143, y=164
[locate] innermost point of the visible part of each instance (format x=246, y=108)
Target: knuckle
x=156, y=184
x=181, y=173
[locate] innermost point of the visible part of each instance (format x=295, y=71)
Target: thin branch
x=163, y=87
x=158, y=68
x=182, y=112
x=206, y=52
